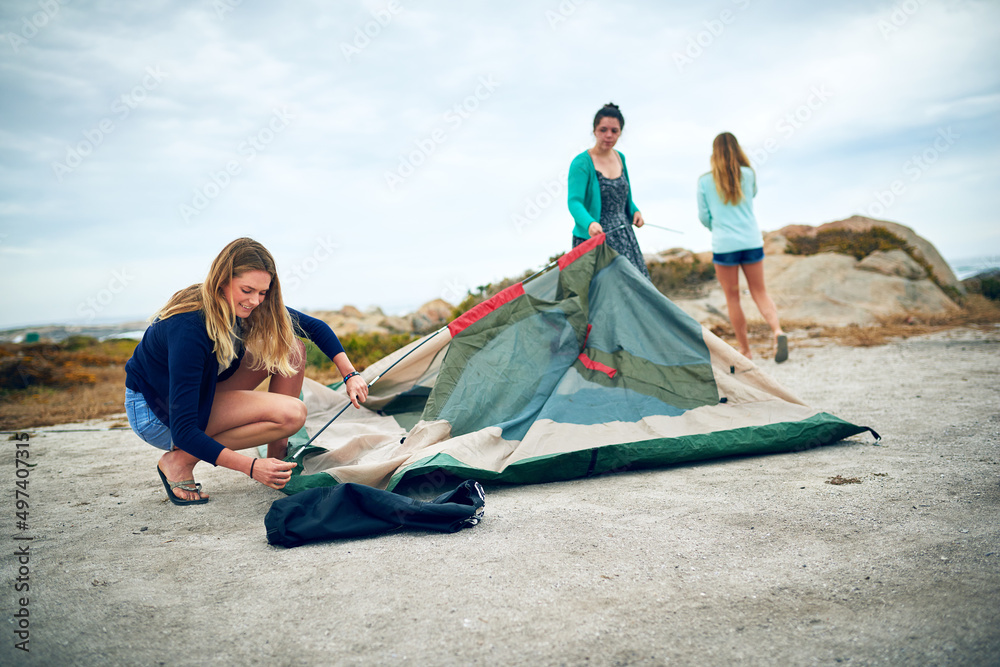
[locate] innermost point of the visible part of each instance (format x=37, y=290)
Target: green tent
x=583, y=369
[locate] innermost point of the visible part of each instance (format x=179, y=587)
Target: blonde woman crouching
x=189, y=386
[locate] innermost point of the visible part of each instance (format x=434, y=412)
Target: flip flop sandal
x=782, y=353
x=185, y=485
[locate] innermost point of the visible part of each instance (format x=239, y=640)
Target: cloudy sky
x=390, y=153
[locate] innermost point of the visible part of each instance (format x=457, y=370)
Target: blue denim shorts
x=751, y=256
x=144, y=423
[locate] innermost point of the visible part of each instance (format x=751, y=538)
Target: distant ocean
x=967, y=267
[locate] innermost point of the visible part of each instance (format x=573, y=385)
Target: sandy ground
x=753, y=561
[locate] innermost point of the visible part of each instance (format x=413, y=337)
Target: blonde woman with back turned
x=725, y=207
x=189, y=386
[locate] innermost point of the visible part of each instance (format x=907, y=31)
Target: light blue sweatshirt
x=733, y=226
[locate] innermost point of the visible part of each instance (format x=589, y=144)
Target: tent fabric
x=355, y=510
x=582, y=370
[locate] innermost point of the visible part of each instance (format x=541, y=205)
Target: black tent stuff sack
x=356, y=510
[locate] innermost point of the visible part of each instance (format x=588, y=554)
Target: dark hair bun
x=609, y=110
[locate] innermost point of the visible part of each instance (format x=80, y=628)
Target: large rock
x=397, y=324
x=942, y=271
x=893, y=263
x=432, y=315
x=351, y=312
x=828, y=289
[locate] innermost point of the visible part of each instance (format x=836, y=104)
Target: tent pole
x=374, y=380
x=649, y=224
x=555, y=262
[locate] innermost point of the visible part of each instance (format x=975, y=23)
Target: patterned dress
x=618, y=229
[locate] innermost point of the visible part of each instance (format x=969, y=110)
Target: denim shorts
x=751, y=256
x=144, y=423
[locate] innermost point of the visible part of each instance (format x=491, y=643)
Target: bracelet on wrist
x=350, y=375
x=251, y=467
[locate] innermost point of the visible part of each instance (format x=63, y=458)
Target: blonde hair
x=267, y=333
x=727, y=158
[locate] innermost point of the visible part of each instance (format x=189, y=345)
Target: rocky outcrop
x=432, y=315
x=838, y=290
x=829, y=289
x=893, y=263
x=350, y=320
x=774, y=242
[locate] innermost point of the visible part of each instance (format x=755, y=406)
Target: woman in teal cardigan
x=600, y=196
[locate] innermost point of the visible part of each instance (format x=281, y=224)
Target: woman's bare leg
x=729, y=278
x=245, y=378
x=287, y=386
x=243, y=418
x=755, y=281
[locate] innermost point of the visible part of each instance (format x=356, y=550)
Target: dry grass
x=977, y=311
x=47, y=406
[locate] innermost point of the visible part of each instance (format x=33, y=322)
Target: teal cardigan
x=584, y=198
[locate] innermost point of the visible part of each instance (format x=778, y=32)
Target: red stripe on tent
x=596, y=365
x=485, y=308
x=580, y=250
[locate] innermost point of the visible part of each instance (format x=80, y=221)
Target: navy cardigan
x=176, y=371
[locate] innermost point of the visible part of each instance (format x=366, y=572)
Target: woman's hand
x=637, y=219
x=594, y=229
x=273, y=472
x=357, y=390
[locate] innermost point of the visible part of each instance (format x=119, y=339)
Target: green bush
x=73, y=343
x=990, y=288
x=678, y=276
x=362, y=349
x=858, y=244
x=987, y=285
